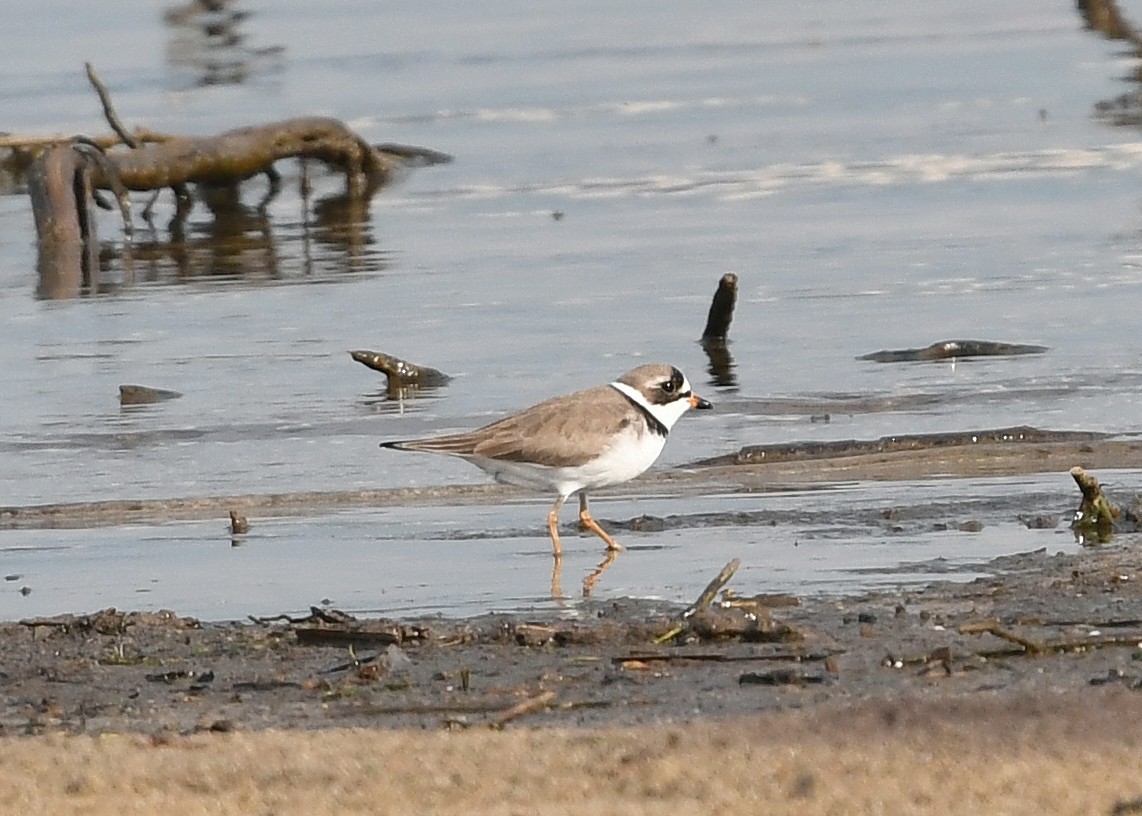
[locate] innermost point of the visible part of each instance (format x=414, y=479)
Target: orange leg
x=553, y=527
x=586, y=521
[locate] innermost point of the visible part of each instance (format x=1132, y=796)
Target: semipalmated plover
x=571, y=444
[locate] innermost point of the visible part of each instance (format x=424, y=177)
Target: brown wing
x=557, y=433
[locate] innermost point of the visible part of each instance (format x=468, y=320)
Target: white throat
x=666, y=414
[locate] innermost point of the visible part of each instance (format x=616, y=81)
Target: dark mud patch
x=753, y=469
x=1041, y=623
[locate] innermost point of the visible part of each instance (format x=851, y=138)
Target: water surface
x=877, y=177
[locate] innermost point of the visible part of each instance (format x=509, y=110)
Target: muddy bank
x=1016, y=693
x=1042, y=623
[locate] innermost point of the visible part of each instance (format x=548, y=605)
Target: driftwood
x=721, y=312
x=144, y=395
x=738, y=620
x=236, y=155
x=239, y=524
x=952, y=350
x=717, y=329
x=1095, y=516
x=532, y=705
x=65, y=174
x=402, y=375
x=61, y=185
x=1035, y=648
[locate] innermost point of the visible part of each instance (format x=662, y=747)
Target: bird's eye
x=668, y=386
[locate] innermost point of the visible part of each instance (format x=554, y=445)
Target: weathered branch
x=236, y=155
x=400, y=373
x=1096, y=513
x=952, y=350
x=108, y=109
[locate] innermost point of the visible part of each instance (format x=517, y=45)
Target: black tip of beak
x=700, y=403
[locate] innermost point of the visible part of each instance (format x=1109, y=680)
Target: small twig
x=108, y=109
x=717, y=657
x=529, y=706
x=992, y=627
x=105, y=141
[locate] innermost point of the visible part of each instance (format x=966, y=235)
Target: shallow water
x=877, y=177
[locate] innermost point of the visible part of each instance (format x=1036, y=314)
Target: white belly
x=630, y=455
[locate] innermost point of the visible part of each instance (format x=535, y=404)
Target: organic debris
x=402, y=375
x=952, y=350
x=714, y=337
x=1096, y=515
x=144, y=395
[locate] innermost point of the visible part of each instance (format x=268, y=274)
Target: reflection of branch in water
x=714, y=336
x=1104, y=16
x=342, y=222
x=65, y=180
x=206, y=38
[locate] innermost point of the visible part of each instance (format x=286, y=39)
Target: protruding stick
x=1095, y=510
x=721, y=309
x=108, y=109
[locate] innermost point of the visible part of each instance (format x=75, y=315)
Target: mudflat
x=1016, y=693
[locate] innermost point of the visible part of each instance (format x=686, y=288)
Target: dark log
x=721, y=312
x=400, y=373
x=239, y=524
x=952, y=350
x=144, y=395
x=718, y=321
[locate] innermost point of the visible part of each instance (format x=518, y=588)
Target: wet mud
x=752, y=469
x=1040, y=623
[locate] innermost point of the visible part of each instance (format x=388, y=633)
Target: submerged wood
x=239, y=524
x=717, y=329
x=401, y=373
x=60, y=190
x=721, y=310
x=63, y=184
x=800, y=451
x=236, y=155
x=1096, y=515
x=144, y=395
x=952, y=350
